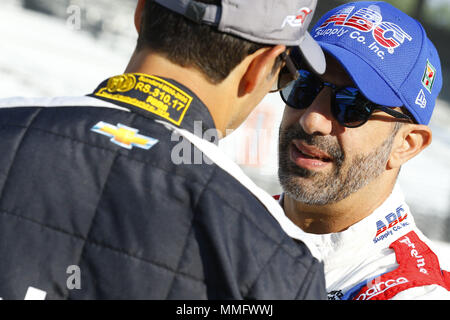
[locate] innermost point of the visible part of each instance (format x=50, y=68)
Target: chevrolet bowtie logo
x=124, y=136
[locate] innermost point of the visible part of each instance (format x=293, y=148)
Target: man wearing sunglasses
x=343, y=139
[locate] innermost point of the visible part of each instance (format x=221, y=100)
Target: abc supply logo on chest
x=393, y=222
x=366, y=23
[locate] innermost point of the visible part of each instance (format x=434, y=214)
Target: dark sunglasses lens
x=284, y=78
x=301, y=93
x=288, y=73
x=349, y=108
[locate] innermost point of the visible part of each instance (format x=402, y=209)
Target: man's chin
x=306, y=186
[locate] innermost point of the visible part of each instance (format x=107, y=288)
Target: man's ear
x=409, y=142
x=138, y=15
x=260, y=67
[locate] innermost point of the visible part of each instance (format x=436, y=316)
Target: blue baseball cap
x=386, y=53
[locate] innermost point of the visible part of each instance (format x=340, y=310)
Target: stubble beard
x=345, y=178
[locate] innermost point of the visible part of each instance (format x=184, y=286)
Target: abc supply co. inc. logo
x=393, y=222
x=387, y=36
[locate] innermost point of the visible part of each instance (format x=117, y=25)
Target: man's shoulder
x=101, y=125
x=51, y=111
x=29, y=102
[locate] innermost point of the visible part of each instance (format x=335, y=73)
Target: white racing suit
x=384, y=256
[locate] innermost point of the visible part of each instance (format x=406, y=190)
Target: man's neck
x=339, y=216
x=210, y=94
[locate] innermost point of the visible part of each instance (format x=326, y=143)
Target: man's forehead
x=336, y=73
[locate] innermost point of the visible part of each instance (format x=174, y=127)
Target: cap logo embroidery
x=387, y=35
x=297, y=20
x=429, y=76
x=421, y=100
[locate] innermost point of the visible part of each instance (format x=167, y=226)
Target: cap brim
x=364, y=76
x=313, y=54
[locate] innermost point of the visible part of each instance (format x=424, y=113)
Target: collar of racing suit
x=159, y=98
x=390, y=220
x=362, y=251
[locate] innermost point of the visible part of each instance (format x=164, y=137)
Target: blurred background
x=67, y=47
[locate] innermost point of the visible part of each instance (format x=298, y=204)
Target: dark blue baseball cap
x=386, y=53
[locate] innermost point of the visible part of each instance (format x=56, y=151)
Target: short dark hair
x=189, y=44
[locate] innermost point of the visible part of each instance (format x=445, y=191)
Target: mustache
x=327, y=144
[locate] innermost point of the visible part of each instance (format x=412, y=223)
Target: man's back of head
x=190, y=44
x=225, y=57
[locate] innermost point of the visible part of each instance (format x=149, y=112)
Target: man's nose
x=317, y=118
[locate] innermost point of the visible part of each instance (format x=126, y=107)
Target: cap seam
x=417, y=58
x=416, y=115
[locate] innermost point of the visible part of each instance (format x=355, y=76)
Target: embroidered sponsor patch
x=392, y=222
x=377, y=287
x=150, y=93
x=124, y=136
x=421, y=99
x=298, y=19
x=429, y=76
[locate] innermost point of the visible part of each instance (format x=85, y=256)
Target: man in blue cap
x=343, y=139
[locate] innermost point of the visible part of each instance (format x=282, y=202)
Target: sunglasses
x=288, y=73
x=348, y=106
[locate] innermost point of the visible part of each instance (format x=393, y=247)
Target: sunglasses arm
x=394, y=113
